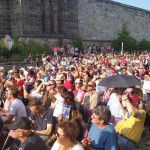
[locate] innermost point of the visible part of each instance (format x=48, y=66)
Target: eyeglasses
x=58, y=135
x=90, y=85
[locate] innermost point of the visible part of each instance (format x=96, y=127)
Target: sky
x=144, y=4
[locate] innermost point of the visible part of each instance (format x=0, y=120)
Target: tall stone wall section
x=102, y=20
x=5, y=24
x=39, y=18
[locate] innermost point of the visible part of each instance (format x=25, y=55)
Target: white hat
x=78, y=80
x=60, y=77
x=10, y=71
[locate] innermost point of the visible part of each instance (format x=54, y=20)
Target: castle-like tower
x=39, y=18
x=92, y=20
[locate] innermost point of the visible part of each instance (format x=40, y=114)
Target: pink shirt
x=79, y=95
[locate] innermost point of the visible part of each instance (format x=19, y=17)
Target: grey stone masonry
x=103, y=19
x=92, y=20
x=5, y=23
x=39, y=18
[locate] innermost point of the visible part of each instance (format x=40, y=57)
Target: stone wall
x=5, y=26
x=102, y=20
x=92, y=20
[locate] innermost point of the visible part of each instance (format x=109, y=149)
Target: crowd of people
x=60, y=104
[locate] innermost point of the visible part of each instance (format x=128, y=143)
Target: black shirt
x=34, y=142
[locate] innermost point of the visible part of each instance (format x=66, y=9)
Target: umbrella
x=120, y=81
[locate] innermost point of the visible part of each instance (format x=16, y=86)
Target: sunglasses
x=90, y=85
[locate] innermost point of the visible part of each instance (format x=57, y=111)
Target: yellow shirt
x=132, y=127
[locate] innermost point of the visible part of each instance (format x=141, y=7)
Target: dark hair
x=62, y=89
x=68, y=96
x=35, y=102
x=14, y=91
x=69, y=129
x=103, y=113
x=54, y=82
x=38, y=82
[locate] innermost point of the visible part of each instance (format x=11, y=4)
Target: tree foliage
x=130, y=44
x=77, y=42
x=144, y=45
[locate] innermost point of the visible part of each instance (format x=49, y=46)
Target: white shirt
x=114, y=106
x=78, y=146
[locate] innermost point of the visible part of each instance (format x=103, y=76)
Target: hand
x=86, y=141
x=60, y=117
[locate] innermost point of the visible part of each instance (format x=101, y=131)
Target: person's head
x=60, y=79
x=12, y=93
x=101, y=115
x=78, y=83
x=61, y=90
x=68, y=97
x=30, y=74
x=51, y=85
x=16, y=77
x=91, y=86
x=37, y=83
x=21, y=129
x=35, y=106
x=66, y=132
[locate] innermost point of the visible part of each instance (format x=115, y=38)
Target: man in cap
x=21, y=130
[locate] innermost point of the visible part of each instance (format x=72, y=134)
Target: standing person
x=101, y=135
x=66, y=134
x=21, y=130
x=17, y=108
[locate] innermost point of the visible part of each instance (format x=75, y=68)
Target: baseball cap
x=78, y=80
x=54, y=73
x=22, y=123
x=134, y=99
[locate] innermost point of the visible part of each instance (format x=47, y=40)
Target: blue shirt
x=103, y=138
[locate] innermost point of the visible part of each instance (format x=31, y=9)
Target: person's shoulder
x=78, y=147
x=35, y=142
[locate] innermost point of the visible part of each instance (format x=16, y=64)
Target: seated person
x=42, y=119
x=66, y=137
x=101, y=135
x=28, y=140
x=17, y=108
x=130, y=128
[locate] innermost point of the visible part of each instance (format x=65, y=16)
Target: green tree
x=144, y=45
x=130, y=44
x=77, y=42
x=60, y=42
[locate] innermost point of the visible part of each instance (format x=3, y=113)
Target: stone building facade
x=92, y=20
x=39, y=18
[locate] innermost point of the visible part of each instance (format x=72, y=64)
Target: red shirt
x=68, y=85
x=20, y=83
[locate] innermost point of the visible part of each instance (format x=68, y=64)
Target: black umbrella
x=120, y=81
